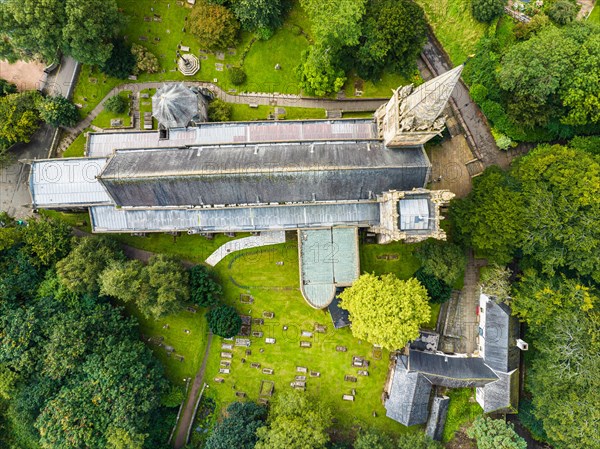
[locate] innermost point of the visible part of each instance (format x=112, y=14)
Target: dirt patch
x=26, y=75
x=461, y=441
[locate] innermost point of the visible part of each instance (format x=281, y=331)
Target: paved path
x=475, y=121
x=187, y=415
x=264, y=239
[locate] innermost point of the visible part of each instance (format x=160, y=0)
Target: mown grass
x=461, y=410
x=454, y=26
x=263, y=278
x=244, y=113
x=372, y=261
x=103, y=119
x=146, y=105
x=77, y=147
x=595, y=15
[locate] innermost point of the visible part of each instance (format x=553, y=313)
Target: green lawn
x=146, y=105
x=454, y=26
x=595, y=14
x=241, y=112
x=383, y=87
x=265, y=278
x=77, y=147
x=103, y=119
x=461, y=410
x=373, y=259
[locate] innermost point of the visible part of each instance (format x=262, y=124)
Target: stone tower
x=414, y=115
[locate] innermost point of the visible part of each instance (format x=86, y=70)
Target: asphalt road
x=14, y=188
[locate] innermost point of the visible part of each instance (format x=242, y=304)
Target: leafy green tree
x=19, y=117
x=495, y=281
x=8, y=380
x=393, y=34
x=416, y=441
x=121, y=62
x=205, y=290
x=219, y=111
x=7, y=88
x=438, y=290
x=487, y=10
x=9, y=232
x=563, y=11
x=47, y=240
x=119, y=438
x=589, y=144
x=385, y=310
x=90, y=28
x=295, y=422
x=215, y=26
x=491, y=219
x=371, y=439
x=318, y=73
x=79, y=271
x=116, y=104
x=145, y=60
x=562, y=213
x=173, y=397
x=263, y=16
x=169, y=282
x=441, y=259
x=238, y=427
x=495, y=434
x=124, y=280
x=58, y=111
x=336, y=23
x=237, y=76
x=224, y=321
x=19, y=278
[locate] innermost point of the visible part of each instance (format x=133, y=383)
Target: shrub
x=219, y=111
x=237, y=76
x=116, y=104
x=563, y=11
x=173, y=397
x=146, y=61
x=487, y=10
x=224, y=321
x=478, y=93
x=214, y=25
x=121, y=62
x=437, y=289
x=495, y=433
x=58, y=111
x=205, y=291
x=502, y=140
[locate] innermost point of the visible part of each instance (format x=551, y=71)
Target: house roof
x=408, y=401
x=501, y=395
x=437, y=418
x=268, y=173
x=500, y=333
x=451, y=371
x=174, y=105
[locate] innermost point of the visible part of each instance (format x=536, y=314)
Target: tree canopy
x=385, y=310
x=19, y=117
x=295, y=422
x=215, y=26
x=117, y=104
x=122, y=62
x=238, y=427
x=494, y=434
x=442, y=259
x=487, y=10
x=224, y=321
x=262, y=16
x=58, y=111
x=205, y=290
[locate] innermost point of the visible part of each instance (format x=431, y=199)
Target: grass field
x=265, y=279
x=77, y=147
x=454, y=26
x=103, y=119
x=462, y=409
x=373, y=260
x=146, y=105
x=595, y=14
x=243, y=113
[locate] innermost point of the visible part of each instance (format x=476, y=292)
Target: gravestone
x=305, y=344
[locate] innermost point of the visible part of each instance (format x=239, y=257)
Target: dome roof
x=174, y=105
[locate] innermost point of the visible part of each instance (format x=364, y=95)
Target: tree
x=371, y=439
x=495, y=281
x=19, y=117
x=219, y=111
x=589, y=144
x=116, y=104
x=336, y=23
x=262, y=16
x=119, y=438
x=417, y=441
x=317, y=73
x=9, y=232
x=491, y=219
x=173, y=397
x=214, y=25
x=19, y=278
x=79, y=271
x=224, y=321
x=438, y=290
x=563, y=11
x=295, y=422
x=7, y=88
x=393, y=34
x=205, y=290
x=90, y=27
x=124, y=280
x=121, y=62
x=237, y=76
x=146, y=61
x=47, y=240
x=562, y=213
x=487, y=10
x=58, y=111
x=441, y=259
x=238, y=427
x=495, y=434
x=385, y=310
x=169, y=281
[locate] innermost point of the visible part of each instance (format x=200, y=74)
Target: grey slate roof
x=437, y=418
x=501, y=332
x=408, y=401
x=451, y=371
x=501, y=395
x=268, y=173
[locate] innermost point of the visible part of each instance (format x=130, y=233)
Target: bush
x=121, y=62
x=7, y=88
x=219, y=111
x=146, y=61
x=437, y=289
x=563, y=11
x=495, y=433
x=502, y=140
x=173, y=397
x=237, y=76
x=478, y=93
x=214, y=25
x=487, y=10
x=58, y=111
x=205, y=291
x=224, y=321
x=116, y=104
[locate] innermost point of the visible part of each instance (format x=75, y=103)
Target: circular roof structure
x=174, y=105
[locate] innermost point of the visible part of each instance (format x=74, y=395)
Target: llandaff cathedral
x=197, y=177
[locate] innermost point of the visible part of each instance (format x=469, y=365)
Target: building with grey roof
x=437, y=417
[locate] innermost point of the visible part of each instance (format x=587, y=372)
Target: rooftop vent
x=523, y=346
